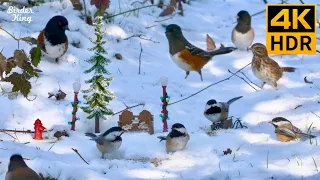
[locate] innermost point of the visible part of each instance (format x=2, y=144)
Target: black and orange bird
x=187, y=56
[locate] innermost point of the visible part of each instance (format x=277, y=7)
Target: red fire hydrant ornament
x=38, y=129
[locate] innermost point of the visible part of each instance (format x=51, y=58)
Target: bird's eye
x=174, y=30
x=60, y=23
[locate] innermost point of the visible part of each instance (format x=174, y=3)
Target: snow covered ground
x=203, y=158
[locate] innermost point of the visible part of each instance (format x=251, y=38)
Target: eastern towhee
x=187, y=56
x=53, y=40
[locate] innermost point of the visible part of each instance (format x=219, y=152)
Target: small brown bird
x=242, y=34
x=18, y=170
x=177, y=139
x=187, y=56
x=286, y=131
x=265, y=68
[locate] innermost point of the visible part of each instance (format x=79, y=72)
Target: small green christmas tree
x=96, y=103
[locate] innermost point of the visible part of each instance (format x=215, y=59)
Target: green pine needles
x=96, y=103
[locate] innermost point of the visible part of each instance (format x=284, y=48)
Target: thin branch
x=140, y=36
x=140, y=58
x=315, y=114
x=301, y=2
x=19, y=131
x=141, y=104
x=249, y=79
x=265, y=1
x=9, y=135
x=135, y=10
x=52, y=146
x=242, y=79
x=76, y=151
x=85, y=10
x=210, y=85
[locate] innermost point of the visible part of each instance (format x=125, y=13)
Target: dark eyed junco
x=242, y=34
x=18, y=170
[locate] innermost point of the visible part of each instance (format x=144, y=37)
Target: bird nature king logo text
x=291, y=29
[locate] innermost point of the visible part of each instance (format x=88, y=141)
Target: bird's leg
x=187, y=74
x=102, y=155
x=200, y=75
x=275, y=85
x=263, y=85
x=57, y=59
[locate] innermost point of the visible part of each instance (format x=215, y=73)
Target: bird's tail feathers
x=306, y=135
x=93, y=136
x=234, y=99
x=162, y=138
x=222, y=50
x=288, y=69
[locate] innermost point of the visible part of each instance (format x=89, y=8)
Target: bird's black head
x=16, y=161
x=279, y=121
x=173, y=30
x=211, y=102
x=244, y=17
x=57, y=23
x=177, y=126
x=115, y=131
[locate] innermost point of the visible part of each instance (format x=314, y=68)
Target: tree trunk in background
x=97, y=125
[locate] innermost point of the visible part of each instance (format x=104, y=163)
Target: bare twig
x=19, y=131
x=310, y=82
x=76, y=151
x=265, y=1
x=249, y=79
x=140, y=58
x=141, y=104
x=210, y=85
x=298, y=106
x=301, y=1
x=140, y=36
x=315, y=114
x=85, y=10
x=52, y=146
x=242, y=79
x=9, y=135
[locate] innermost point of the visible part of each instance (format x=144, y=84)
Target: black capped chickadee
x=108, y=142
x=177, y=139
x=286, y=131
x=18, y=170
x=217, y=112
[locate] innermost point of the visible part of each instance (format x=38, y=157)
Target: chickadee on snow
x=177, y=139
x=286, y=131
x=108, y=142
x=18, y=170
x=217, y=112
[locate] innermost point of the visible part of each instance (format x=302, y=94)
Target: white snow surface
x=256, y=153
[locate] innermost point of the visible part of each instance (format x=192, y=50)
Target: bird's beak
x=270, y=122
x=66, y=27
x=250, y=48
x=167, y=32
x=237, y=17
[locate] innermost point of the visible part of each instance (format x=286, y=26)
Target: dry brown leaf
x=211, y=45
x=59, y=96
x=169, y=10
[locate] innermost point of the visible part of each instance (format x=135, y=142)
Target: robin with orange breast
x=53, y=41
x=187, y=56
